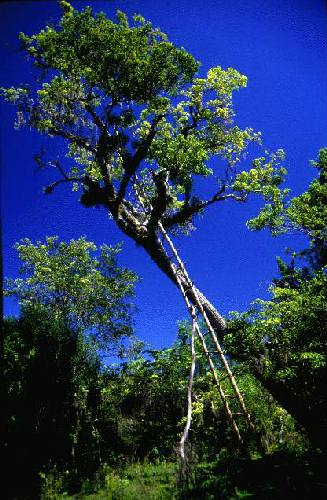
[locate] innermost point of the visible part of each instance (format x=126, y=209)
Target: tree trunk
x=154, y=250
x=300, y=412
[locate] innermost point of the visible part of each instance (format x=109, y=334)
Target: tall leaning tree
x=141, y=127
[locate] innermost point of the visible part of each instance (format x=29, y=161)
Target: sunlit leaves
x=115, y=57
x=265, y=178
x=124, y=99
x=181, y=156
x=308, y=212
x=88, y=291
x=286, y=335
x=288, y=330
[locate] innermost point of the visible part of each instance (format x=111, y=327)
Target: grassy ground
x=135, y=482
x=274, y=477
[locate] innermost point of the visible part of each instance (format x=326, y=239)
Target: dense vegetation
x=110, y=431
x=138, y=130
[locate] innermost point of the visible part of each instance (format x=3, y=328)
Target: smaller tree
x=284, y=338
x=72, y=303
x=89, y=293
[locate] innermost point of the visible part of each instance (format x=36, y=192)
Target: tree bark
x=154, y=250
x=307, y=418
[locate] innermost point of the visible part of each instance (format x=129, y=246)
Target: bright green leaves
x=61, y=103
x=14, y=95
x=285, y=337
x=125, y=99
x=199, y=126
x=211, y=97
x=86, y=291
x=225, y=82
x=114, y=57
x=20, y=97
x=289, y=330
x=83, y=161
x=308, y=212
x=157, y=106
x=265, y=178
x=67, y=8
x=208, y=112
x=181, y=157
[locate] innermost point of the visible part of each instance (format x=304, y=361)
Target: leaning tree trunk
x=152, y=245
x=280, y=393
x=154, y=250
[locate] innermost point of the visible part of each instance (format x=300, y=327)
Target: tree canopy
x=142, y=128
x=124, y=97
x=90, y=292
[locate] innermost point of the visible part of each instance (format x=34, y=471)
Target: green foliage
x=130, y=413
x=228, y=477
x=145, y=400
x=305, y=213
x=50, y=379
x=308, y=212
x=86, y=290
x=284, y=339
x=144, y=404
x=289, y=333
x=138, y=481
x=124, y=98
x=74, y=50
x=72, y=301
x=265, y=178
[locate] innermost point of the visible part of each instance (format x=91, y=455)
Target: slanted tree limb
x=77, y=139
x=131, y=164
x=188, y=211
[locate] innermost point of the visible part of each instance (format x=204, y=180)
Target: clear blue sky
x=281, y=46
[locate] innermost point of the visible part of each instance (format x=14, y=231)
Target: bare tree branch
x=188, y=211
x=50, y=188
x=80, y=141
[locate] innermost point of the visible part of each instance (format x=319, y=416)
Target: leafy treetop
x=89, y=293
x=305, y=213
x=139, y=124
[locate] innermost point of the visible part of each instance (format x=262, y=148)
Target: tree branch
x=130, y=165
x=188, y=211
x=96, y=118
x=80, y=141
x=159, y=205
x=50, y=188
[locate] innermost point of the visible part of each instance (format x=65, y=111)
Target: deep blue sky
x=281, y=46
